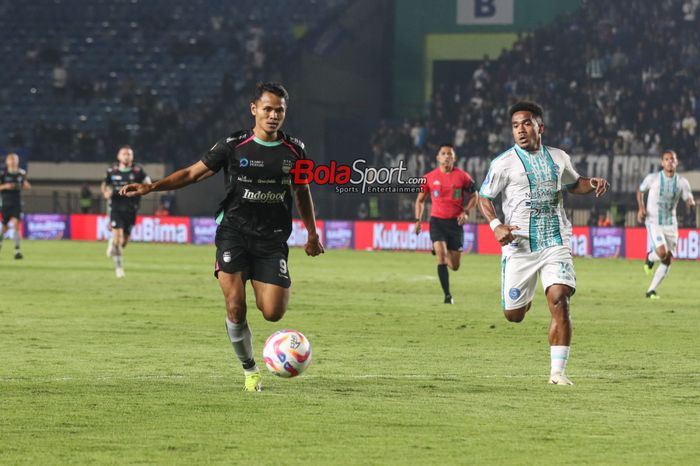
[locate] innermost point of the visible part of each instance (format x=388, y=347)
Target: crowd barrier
x=631, y=243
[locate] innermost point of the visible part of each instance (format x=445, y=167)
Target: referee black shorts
x=264, y=260
x=447, y=230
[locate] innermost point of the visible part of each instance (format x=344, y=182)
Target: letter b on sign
x=484, y=8
x=484, y=11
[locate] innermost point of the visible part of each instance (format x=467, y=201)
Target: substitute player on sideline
x=122, y=215
x=447, y=186
x=12, y=181
x=665, y=189
x=255, y=217
x=536, y=233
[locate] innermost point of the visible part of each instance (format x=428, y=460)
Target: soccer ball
x=287, y=353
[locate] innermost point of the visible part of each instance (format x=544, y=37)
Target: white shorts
x=520, y=268
x=663, y=235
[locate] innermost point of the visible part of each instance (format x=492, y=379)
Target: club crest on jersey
x=514, y=293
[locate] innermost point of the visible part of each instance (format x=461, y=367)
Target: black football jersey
x=118, y=178
x=13, y=196
x=258, y=183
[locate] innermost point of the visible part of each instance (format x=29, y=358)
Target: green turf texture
x=140, y=370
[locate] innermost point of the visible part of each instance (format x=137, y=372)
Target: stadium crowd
x=611, y=83
x=163, y=75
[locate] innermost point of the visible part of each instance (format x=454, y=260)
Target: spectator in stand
x=86, y=199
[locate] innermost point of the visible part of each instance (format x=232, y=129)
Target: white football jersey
x=664, y=193
x=531, y=184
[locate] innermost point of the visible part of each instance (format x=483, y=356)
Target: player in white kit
x=535, y=236
x=665, y=189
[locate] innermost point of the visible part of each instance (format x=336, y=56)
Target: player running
x=255, y=217
x=123, y=209
x=447, y=186
x=536, y=233
x=665, y=189
x=12, y=181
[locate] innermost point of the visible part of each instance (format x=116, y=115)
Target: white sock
x=15, y=236
x=242, y=341
x=559, y=356
x=117, y=257
x=653, y=257
x=658, y=276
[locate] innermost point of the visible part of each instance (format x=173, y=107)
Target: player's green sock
x=559, y=356
x=242, y=341
x=444, y=277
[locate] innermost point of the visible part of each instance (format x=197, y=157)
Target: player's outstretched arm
x=503, y=233
x=179, y=179
x=305, y=206
x=588, y=185
x=420, y=206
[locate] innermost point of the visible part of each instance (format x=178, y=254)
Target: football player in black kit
x=255, y=216
x=122, y=216
x=13, y=180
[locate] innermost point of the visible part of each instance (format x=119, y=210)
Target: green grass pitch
x=140, y=370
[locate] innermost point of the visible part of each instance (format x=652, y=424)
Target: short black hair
x=447, y=144
x=525, y=106
x=669, y=151
x=271, y=87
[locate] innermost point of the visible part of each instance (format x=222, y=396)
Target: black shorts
x=260, y=259
x=123, y=219
x=447, y=230
x=11, y=211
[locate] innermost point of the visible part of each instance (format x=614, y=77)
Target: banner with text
x=147, y=229
x=598, y=242
x=46, y=226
